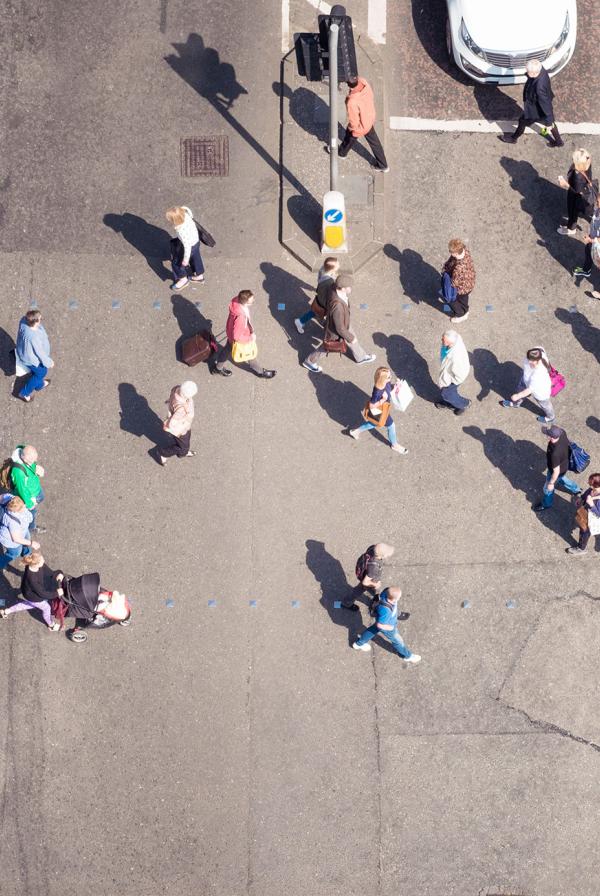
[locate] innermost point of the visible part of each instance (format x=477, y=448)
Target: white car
x=492, y=40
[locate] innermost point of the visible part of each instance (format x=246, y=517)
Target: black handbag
x=205, y=236
x=589, y=193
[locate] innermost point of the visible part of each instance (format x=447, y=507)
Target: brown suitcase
x=198, y=348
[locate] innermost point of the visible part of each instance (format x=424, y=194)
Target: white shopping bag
x=402, y=395
x=20, y=370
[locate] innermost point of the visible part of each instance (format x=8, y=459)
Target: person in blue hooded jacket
x=33, y=352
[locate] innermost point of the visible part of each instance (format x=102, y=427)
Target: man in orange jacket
x=360, y=106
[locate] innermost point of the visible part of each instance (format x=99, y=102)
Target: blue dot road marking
x=531, y=308
x=281, y=306
x=115, y=304
x=156, y=306
x=337, y=604
x=170, y=602
x=447, y=309
x=333, y=216
x=253, y=603
x=573, y=309
x=73, y=304
x=489, y=307
x=212, y=603
x=363, y=307
x=406, y=307
x=511, y=604
x=198, y=304
x=466, y=605
x=295, y=603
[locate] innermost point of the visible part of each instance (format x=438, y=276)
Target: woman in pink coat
x=239, y=329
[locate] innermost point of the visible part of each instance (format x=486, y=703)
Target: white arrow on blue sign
x=333, y=216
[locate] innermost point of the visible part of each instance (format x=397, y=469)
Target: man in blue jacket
x=33, y=352
x=537, y=105
x=386, y=624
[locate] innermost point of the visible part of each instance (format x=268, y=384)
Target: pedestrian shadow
x=593, y=423
x=7, y=353
x=137, y=417
x=544, y=202
x=342, y=400
x=189, y=320
x=523, y=464
x=420, y=281
x=331, y=578
x=493, y=375
x=583, y=330
x=283, y=287
x=408, y=364
x=150, y=241
x=311, y=113
x=495, y=105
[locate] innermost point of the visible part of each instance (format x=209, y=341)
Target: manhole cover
x=205, y=156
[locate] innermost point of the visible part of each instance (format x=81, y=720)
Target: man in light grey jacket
x=33, y=353
x=454, y=370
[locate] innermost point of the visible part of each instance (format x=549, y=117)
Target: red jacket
x=238, y=326
x=360, y=106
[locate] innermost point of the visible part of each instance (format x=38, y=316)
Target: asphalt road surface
x=229, y=742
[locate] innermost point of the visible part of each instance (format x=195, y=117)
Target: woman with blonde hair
x=578, y=184
x=15, y=539
x=376, y=412
x=188, y=265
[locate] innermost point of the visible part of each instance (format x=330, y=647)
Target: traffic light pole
x=333, y=113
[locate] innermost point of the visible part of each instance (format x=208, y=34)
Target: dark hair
x=33, y=317
x=536, y=354
x=244, y=295
x=352, y=82
x=594, y=480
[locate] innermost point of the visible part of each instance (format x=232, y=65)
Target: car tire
x=449, y=49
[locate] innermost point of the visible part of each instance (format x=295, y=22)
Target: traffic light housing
x=347, y=67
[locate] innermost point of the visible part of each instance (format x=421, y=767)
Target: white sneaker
x=399, y=448
x=353, y=433
x=459, y=320
x=367, y=359
x=358, y=646
x=413, y=658
x=564, y=231
x=299, y=326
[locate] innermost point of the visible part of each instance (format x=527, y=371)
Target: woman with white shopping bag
x=376, y=412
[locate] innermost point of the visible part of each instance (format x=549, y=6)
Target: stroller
x=92, y=606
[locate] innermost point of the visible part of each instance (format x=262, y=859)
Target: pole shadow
x=407, y=363
x=493, y=375
x=150, y=241
x=420, y=281
x=583, y=330
x=544, y=202
x=331, y=578
x=189, y=320
x=523, y=464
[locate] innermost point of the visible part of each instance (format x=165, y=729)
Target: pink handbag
x=557, y=380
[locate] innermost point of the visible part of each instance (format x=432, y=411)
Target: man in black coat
x=537, y=105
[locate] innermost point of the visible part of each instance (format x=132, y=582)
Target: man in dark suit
x=537, y=105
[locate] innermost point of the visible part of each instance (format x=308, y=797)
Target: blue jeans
x=195, y=267
x=562, y=480
x=10, y=554
x=35, y=381
x=391, y=431
x=306, y=317
x=393, y=637
x=450, y=396
x=38, y=498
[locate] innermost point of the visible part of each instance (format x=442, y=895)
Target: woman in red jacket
x=239, y=330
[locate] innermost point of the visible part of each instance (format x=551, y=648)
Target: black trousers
x=178, y=445
x=373, y=141
x=527, y=122
x=575, y=210
x=460, y=306
x=358, y=591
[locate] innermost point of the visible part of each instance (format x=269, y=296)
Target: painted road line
x=285, y=25
x=377, y=21
x=321, y=6
x=479, y=126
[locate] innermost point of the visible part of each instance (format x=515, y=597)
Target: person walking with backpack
x=360, y=107
x=179, y=422
x=15, y=523
x=339, y=334
x=325, y=281
x=369, y=572
x=588, y=505
x=33, y=352
x=557, y=457
x=190, y=266
x=241, y=339
x=458, y=280
x=386, y=624
x=537, y=105
x=535, y=383
x=21, y=475
x=39, y=587
x=376, y=412
x=454, y=370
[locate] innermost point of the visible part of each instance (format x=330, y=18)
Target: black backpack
x=361, y=565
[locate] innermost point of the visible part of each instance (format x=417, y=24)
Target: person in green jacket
x=25, y=477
